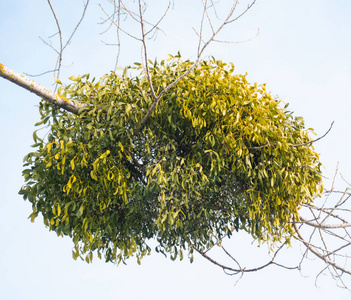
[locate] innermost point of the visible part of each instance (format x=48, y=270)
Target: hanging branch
x=242, y=270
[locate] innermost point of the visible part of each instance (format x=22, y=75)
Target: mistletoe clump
x=217, y=155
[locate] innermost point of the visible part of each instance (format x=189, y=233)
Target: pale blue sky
x=302, y=53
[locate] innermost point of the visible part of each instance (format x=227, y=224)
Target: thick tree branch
x=39, y=90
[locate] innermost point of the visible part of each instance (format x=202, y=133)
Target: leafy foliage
x=217, y=155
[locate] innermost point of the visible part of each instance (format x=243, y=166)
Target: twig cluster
x=147, y=29
x=324, y=230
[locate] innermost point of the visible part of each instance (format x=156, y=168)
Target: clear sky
x=302, y=53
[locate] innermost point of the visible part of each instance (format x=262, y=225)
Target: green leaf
x=75, y=254
x=73, y=78
x=80, y=211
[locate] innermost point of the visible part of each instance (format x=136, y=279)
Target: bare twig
x=239, y=42
x=316, y=140
x=159, y=21
x=144, y=51
x=117, y=33
x=115, y=9
x=49, y=45
x=118, y=26
x=243, y=13
x=37, y=75
x=59, y=59
x=78, y=24
x=294, y=145
x=241, y=270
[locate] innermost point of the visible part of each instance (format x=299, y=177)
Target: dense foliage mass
x=217, y=155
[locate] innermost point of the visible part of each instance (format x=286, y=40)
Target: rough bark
x=44, y=93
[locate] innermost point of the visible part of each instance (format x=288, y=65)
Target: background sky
x=302, y=52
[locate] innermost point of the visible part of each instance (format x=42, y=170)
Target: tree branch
x=315, y=252
x=59, y=59
x=240, y=269
x=318, y=225
x=39, y=90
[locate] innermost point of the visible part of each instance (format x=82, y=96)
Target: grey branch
x=39, y=90
x=319, y=255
